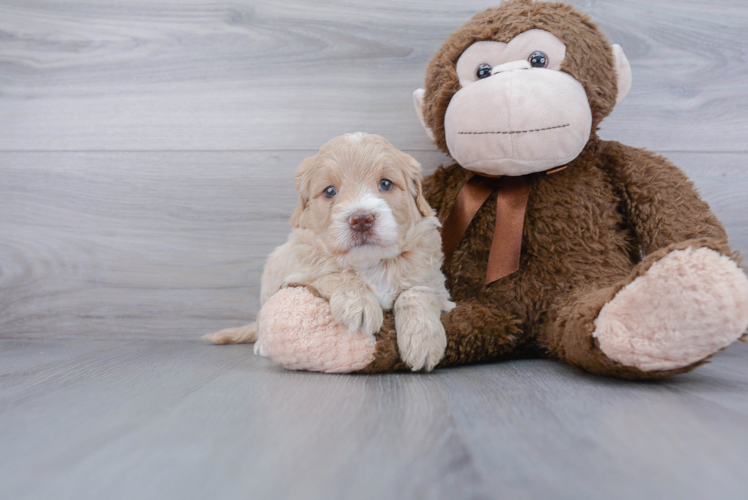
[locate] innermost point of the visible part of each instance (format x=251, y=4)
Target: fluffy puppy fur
x=358, y=179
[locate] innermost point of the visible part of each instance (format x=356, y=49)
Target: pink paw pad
x=298, y=332
x=688, y=305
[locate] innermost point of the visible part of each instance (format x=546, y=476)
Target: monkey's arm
x=662, y=204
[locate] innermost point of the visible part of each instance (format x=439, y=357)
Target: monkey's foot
x=298, y=332
x=689, y=304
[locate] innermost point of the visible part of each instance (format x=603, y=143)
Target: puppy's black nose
x=361, y=221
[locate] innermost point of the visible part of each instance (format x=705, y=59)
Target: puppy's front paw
x=421, y=340
x=357, y=311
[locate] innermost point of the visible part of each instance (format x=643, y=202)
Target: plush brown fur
x=589, y=230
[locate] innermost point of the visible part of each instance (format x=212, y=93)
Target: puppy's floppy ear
x=303, y=177
x=416, y=189
x=295, y=220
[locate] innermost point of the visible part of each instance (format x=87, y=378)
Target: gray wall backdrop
x=147, y=148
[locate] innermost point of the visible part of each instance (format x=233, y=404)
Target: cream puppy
x=366, y=240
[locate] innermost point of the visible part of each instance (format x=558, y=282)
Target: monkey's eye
x=538, y=60
x=484, y=71
x=385, y=185
x=330, y=192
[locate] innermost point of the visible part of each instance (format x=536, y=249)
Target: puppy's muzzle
x=361, y=221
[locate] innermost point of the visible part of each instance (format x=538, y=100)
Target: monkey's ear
x=418, y=101
x=623, y=72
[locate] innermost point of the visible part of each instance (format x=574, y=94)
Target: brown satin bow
x=511, y=204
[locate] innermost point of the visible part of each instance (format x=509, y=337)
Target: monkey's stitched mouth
x=508, y=132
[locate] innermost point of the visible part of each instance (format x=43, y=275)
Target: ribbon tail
x=511, y=206
x=471, y=197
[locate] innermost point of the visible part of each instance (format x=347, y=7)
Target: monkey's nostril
x=361, y=221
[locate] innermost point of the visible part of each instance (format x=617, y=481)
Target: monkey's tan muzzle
x=518, y=121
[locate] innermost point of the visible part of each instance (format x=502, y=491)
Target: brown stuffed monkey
x=557, y=244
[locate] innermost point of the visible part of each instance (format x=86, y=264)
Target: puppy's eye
x=330, y=192
x=484, y=71
x=385, y=185
x=538, y=60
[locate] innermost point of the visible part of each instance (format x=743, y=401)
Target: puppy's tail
x=243, y=335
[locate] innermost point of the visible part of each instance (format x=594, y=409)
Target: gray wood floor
x=123, y=419
x=147, y=152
